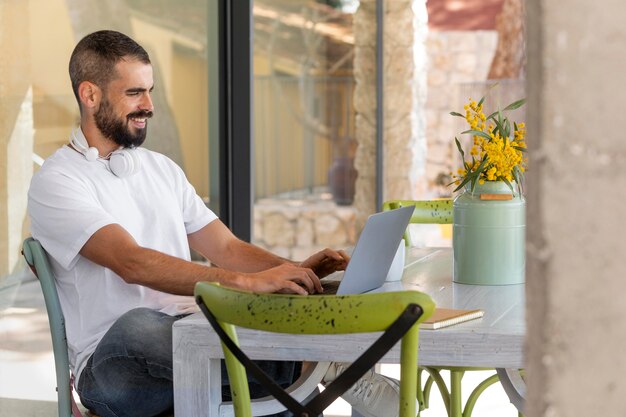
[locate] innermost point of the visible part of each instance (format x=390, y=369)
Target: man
x=118, y=222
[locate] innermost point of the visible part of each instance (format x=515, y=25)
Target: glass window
x=38, y=109
x=304, y=125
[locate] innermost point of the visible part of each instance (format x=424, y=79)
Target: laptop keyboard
x=330, y=287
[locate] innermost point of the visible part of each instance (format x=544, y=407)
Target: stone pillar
x=576, y=315
x=405, y=30
x=509, y=60
x=16, y=130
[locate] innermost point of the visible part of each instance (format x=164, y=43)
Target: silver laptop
x=374, y=251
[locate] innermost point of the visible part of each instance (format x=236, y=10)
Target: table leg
x=456, y=401
x=214, y=379
x=514, y=386
x=197, y=384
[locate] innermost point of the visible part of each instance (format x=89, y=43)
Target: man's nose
x=146, y=103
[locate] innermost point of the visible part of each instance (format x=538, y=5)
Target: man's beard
x=117, y=129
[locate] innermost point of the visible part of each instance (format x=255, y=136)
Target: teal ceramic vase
x=489, y=235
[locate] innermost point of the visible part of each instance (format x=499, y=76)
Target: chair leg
x=427, y=388
x=471, y=401
x=420, y=392
x=435, y=376
x=423, y=392
x=452, y=399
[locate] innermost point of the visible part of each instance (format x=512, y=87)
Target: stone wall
x=295, y=229
x=455, y=58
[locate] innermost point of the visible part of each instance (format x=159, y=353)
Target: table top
x=494, y=341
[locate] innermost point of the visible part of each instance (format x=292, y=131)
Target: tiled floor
x=27, y=382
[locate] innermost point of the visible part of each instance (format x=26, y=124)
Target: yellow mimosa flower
x=497, y=155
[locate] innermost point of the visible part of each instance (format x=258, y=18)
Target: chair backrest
x=318, y=315
x=37, y=259
x=426, y=212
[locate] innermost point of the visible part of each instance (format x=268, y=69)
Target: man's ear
x=90, y=94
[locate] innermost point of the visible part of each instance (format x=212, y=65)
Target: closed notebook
x=444, y=317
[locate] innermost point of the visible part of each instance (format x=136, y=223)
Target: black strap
x=341, y=384
x=276, y=390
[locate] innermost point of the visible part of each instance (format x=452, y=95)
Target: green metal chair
x=440, y=212
x=38, y=261
x=395, y=313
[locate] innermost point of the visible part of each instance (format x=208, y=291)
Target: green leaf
x=499, y=127
x=509, y=185
x=520, y=149
x=492, y=115
x=473, y=184
x=482, y=164
x=476, y=174
x=458, y=145
x=515, y=105
x=477, y=133
x=518, y=175
x=472, y=176
x=481, y=101
x=512, y=106
x=453, y=113
x=519, y=178
x=467, y=178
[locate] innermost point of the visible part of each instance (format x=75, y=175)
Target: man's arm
x=217, y=243
x=113, y=247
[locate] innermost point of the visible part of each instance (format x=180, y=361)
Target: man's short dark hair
x=95, y=56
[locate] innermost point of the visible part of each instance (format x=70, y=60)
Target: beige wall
x=576, y=272
x=55, y=108
x=285, y=140
x=190, y=108
x=16, y=133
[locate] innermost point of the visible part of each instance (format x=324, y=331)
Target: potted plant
x=489, y=211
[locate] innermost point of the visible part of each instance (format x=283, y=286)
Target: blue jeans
x=130, y=372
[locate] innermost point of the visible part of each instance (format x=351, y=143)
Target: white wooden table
x=495, y=341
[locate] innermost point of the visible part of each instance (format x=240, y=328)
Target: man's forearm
x=170, y=274
x=245, y=257
x=114, y=248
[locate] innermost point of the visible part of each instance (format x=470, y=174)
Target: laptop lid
x=374, y=251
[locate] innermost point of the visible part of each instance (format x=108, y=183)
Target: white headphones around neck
x=123, y=162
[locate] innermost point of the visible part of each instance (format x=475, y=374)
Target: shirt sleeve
x=64, y=214
x=195, y=212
